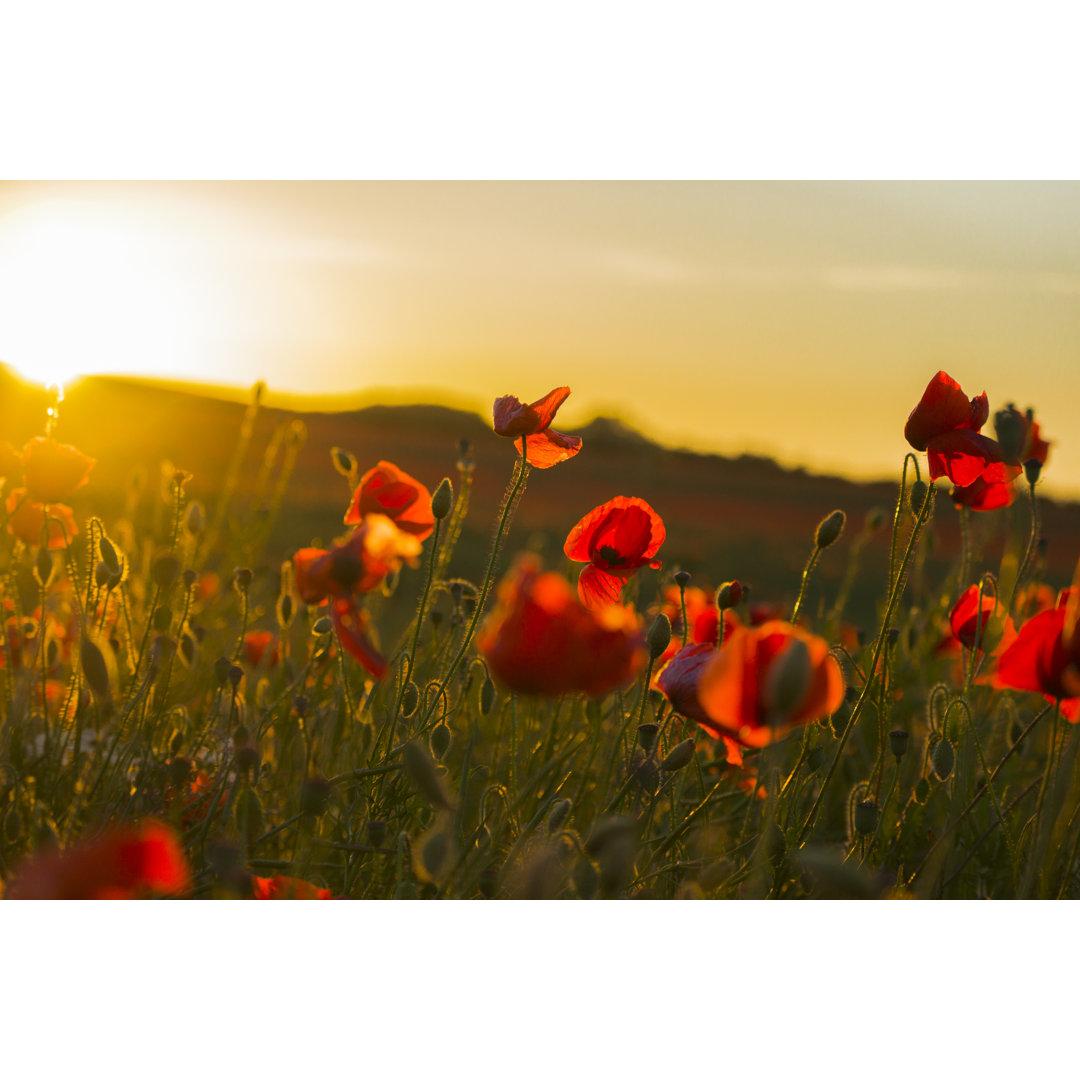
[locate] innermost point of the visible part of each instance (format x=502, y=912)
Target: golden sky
x=800, y=319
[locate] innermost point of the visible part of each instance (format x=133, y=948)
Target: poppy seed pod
x=829, y=530
x=682, y=579
x=442, y=502
x=659, y=636
x=866, y=815
x=898, y=743
x=221, y=669
x=1032, y=468
x=646, y=736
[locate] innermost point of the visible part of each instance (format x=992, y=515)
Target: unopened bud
x=188, y=649
x=162, y=618
x=108, y=554
x=321, y=626
x=235, y=674
x=410, y=698
x=898, y=743
x=442, y=502
x=314, y=795
x=487, y=697
x=659, y=636
x=439, y=740
x=166, y=570
x=680, y=757
x=195, y=518
x=647, y=776
x=425, y=777
x=284, y=610
x=344, y=462
x=1032, y=468
x=221, y=669
x=922, y=790
x=189, y=577
x=242, y=579
x=729, y=594
x=101, y=575
x=248, y=758
x=43, y=566
x=829, y=530
x=942, y=758
x=94, y=668
x=917, y=496
x=866, y=815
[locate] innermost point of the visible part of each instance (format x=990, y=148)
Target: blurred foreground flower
x=388, y=490
x=544, y=446
x=766, y=680
x=541, y=640
x=27, y=521
x=53, y=470
x=989, y=621
x=128, y=862
x=616, y=540
x=286, y=888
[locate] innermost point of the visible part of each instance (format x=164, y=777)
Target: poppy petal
x=350, y=624
x=961, y=455
x=513, y=418
x=597, y=588
x=548, y=447
x=943, y=407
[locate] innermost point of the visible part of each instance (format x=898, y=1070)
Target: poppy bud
x=242, y=579
x=829, y=530
x=52, y=653
x=659, y=636
x=1032, y=468
x=195, y=518
x=166, y=570
x=442, y=502
x=729, y=594
x=249, y=815
x=235, y=674
x=558, y=815
x=344, y=462
x=375, y=833
x=300, y=705
x=314, y=795
x=682, y=579
x=942, y=758
x=189, y=577
x=898, y=741
x=94, y=668
x=101, y=575
x=875, y=518
x=188, y=649
x=922, y=790
x=680, y=757
x=221, y=669
x=646, y=736
x=108, y=555
x=487, y=697
x=162, y=618
x=1011, y=431
x=43, y=566
x=917, y=496
x=284, y=610
x=866, y=815
x=439, y=740
x=322, y=626
x=432, y=855
x=647, y=776
x=410, y=698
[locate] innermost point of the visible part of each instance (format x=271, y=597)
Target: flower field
x=188, y=715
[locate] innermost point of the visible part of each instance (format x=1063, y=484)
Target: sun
x=85, y=292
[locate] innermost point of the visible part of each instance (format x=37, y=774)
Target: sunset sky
x=798, y=319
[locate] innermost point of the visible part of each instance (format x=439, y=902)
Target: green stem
x=810, y=564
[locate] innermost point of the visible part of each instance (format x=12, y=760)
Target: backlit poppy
x=946, y=424
x=54, y=470
x=1045, y=657
x=989, y=621
x=27, y=521
x=768, y=679
x=350, y=624
x=702, y=619
x=541, y=640
x=260, y=646
x=616, y=539
x=127, y=862
x=286, y=888
x=984, y=494
x=544, y=446
x=387, y=490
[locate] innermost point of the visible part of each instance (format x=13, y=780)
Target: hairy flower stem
x=509, y=505
x=1033, y=540
x=894, y=596
x=810, y=564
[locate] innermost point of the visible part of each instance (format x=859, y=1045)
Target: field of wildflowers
x=185, y=717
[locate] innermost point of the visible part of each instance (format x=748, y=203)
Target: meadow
x=232, y=696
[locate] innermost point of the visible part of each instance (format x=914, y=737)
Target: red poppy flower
x=768, y=679
x=27, y=521
x=286, y=888
x=260, y=645
x=946, y=425
x=544, y=446
x=989, y=621
x=702, y=619
x=1036, y=447
x=54, y=470
x=984, y=494
x=679, y=679
x=387, y=490
x=10, y=461
x=541, y=640
x=350, y=625
x=355, y=565
x=1045, y=657
x=125, y=863
x=615, y=539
